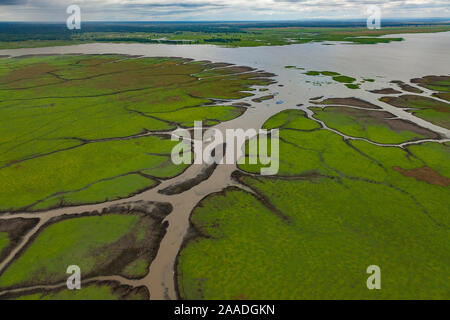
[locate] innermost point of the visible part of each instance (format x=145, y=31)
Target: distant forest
x=22, y=31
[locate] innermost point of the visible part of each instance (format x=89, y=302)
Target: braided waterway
x=419, y=55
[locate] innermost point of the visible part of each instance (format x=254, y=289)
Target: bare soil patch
x=425, y=174
x=353, y=102
x=16, y=229
x=407, y=87
x=386, y=91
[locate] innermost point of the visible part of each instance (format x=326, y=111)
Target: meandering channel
x=360, y=61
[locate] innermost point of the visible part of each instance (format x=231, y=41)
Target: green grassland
x=70, y=124
x=36, y=43
x=352, y=86
x=335, y=208
x=100, y=245
x=102, y=191
x=373, y=125
x=346, y=80
x=291, y=119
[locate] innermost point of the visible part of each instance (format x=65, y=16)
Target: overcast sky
x=152, y=10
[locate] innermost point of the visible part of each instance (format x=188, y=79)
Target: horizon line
x=441, y=19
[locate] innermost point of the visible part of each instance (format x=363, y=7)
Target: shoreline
x=220, y=171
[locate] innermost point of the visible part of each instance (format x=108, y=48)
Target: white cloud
x=54, y=10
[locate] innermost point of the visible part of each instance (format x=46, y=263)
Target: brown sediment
x=425, y=174
x=309, y=175
x=264, y=81
x=265, y=74
x=428, y=81
x=406, y=87
x=353, y=102
x=241, y=104
x=16, y=229
x=405, y=125
x=135, y=56
x=204, y=174
x=386, y=91
x=442, y=95
x=379, y=115
x=35, y=55
x=3, y=56
x=257, y=76
x=130, y=251
x=123, y=292
x=265, y=98
x=239, y=69
x=231, y=69
x=183, y=186
x=211, y=65
x=27, y=72
x=406, y=100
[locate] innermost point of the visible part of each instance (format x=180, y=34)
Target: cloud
x=12, y=2
x=54, y=10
